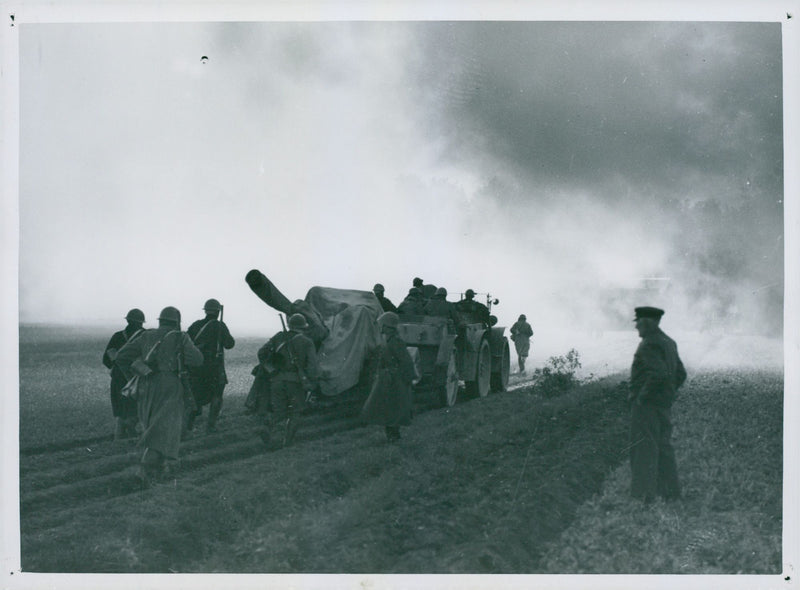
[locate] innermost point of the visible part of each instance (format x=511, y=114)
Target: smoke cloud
x=562, y=167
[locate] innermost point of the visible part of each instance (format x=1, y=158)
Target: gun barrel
x=267, y=291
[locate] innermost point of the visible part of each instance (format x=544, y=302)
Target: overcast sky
x=553, y=164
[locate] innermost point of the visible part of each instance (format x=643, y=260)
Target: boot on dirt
x=213, y=413
x=119, y=429
x=291, y=430
x=264, y=435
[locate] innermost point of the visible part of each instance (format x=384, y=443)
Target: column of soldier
x=162, y=378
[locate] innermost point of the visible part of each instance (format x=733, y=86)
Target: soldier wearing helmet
x=386, y=305
x=122, y=407
x=438, y=306
x=162, y=351
x=472, y=311
x=390, y=400
x=413, y=304
x=213, y=338
x=290, y=359
x=521, y=333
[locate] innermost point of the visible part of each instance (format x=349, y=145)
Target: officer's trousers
x=653, y=467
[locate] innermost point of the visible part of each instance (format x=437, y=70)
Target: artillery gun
x=343, y=326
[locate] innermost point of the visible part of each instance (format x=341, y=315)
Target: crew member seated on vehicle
x=438, y=306
x=386, y=304
x=413, y=304
x=476, y=311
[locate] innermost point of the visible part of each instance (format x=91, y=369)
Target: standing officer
x=290, y=358
x=390, y=401
x=159, y=357
x=656, y=374
x=122, y=407
x=521, y=333
x=212, y=337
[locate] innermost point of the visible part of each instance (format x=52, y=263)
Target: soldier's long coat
x=521, y=333
x=390, y=400
x=161, y=393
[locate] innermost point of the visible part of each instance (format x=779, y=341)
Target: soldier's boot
x=129, y=427
x=151, y=467
x=119, y=429
x=264, y=435
x=213, y=414
x=291, y=430
x=522, y=365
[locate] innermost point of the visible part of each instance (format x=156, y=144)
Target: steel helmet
x=441, y=291
x=378, y=288
x=522, y=317
x=469, y=294
x=135, y=315
x=212, y=305
x=417, y=282
x=170, y=314
x=297, y=321
x=388, y=319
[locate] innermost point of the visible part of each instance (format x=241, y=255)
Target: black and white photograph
x=399, y=295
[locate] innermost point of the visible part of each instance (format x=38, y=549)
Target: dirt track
x=78, y=472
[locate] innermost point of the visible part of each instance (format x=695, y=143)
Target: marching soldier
x=656, y=374
x=212, y=337
x=159, y=357
x=290, y=358
x=390, y=401
x=122, y=407
x=521, y=333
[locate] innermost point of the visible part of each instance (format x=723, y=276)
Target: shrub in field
x=558, y=375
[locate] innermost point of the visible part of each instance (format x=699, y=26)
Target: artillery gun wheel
x=500, y=378
x=449, y=390
x=483, y=375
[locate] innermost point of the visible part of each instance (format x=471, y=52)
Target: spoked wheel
x=500, y=377
x=449, y=391
x=481, y=384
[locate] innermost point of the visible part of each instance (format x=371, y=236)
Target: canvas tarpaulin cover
x=350, y=317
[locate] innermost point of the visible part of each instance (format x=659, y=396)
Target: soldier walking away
x=290, y=359
x=123, y=407
x=521, y=333
x=213, y=338
x=386, y=305
x=390, y=401
x=159, y=357
x=656, y=374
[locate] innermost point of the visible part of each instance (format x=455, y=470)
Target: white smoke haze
x=554, y=165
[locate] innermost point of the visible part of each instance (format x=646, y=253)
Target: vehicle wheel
x=481, y=384
x=500, y=378
x=449, y=391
